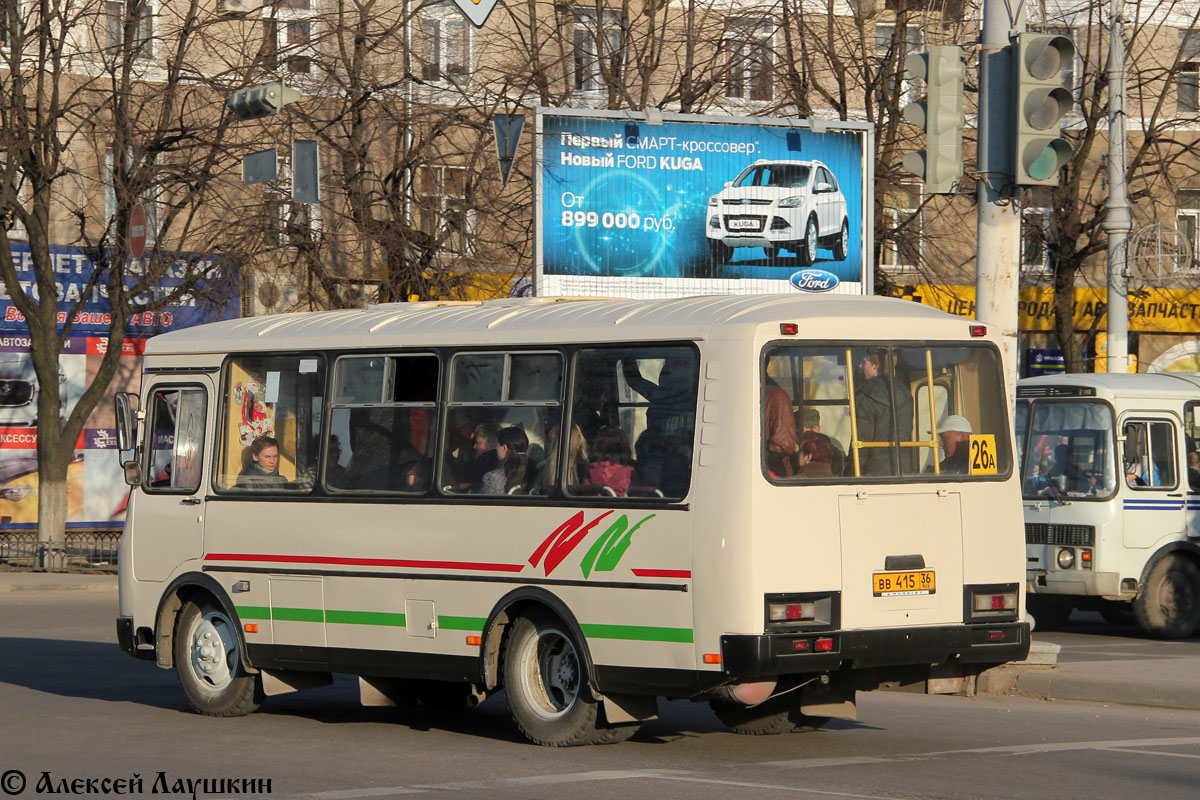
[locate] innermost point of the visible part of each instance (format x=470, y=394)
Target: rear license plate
x=744, y=224
x=891, y=584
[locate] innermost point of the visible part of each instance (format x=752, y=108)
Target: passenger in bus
x=1193, y=462
x=486, y=459
x=672, y=400
x=263, y=470
x=335, y=473
x=780, y=419
x=875, y=397
x=954, y=432
x=611, y=464
x=512, y=458
x=810, y=422
x=577, y=461
x=816, y=456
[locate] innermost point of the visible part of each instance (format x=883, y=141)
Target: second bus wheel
x=779, y=714
x=1169, y=603
x=208, y=661
x=546, y=681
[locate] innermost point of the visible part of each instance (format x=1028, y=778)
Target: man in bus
x=875, y=399
x=954, y=432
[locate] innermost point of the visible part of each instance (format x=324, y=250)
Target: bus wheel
x=209, y=663
x=1169, y=605
x=779, y=714
x=547, y=687
x=1049, y=613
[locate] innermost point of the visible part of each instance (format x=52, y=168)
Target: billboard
x=96, y=489
x=73, y=268
x=680, y=204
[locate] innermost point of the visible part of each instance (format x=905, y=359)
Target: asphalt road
x=75, y=707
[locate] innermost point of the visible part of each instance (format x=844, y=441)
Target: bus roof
x=538, y=320
x=1115, y=384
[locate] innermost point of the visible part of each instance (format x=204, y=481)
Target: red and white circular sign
x=137, y=231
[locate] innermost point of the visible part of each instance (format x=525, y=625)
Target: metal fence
x=88, y=550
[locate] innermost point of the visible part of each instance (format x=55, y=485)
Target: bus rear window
x=863, y=410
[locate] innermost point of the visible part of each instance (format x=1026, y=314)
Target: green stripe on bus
x=366, y=618
x=298, y=614
x=253, y=612
x=461, y=623
x=645, y=633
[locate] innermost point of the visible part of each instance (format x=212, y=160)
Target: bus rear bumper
x=748, y=657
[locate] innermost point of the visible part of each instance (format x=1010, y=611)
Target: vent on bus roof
x=1055, y=391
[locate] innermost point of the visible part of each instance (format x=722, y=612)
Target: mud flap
x=828, y=700
x=620, y=709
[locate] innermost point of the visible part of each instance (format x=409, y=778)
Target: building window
x=901, y=247
x=1035, y=231
x=291, y=224
x=136, y=16
x=749, y=59
x=289, y=40
x=1187, y=98
x=597, y=49
x=442, y=206
x=444, y=45
x=148, y=199
x=891, y=48
x=1187, y=221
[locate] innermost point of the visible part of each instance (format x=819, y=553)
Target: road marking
x=1150, y=752
x=778, y=787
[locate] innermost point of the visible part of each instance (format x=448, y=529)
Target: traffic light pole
x=1117, y=220
x=998, y=237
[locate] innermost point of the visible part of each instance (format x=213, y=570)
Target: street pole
x=998, y=237
x=1117, y=220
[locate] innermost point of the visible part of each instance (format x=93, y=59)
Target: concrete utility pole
x=998, y=238
x=1117, y=220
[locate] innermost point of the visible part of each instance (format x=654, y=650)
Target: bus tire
x=209, y=663
x=1049, y=613
x=545, y=678
x=775, y=715
x=1169, y=605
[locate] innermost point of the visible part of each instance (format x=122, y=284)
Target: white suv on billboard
x=779, y=205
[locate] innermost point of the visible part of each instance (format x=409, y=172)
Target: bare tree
x=102, y=100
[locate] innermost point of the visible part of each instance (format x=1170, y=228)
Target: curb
x=1047, y=686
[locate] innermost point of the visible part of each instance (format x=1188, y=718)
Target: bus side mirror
x=126, y=406
x=133, y=473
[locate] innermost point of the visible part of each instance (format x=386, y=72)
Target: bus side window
x=1149, y=456
x=176, y=439
x=271, y=396
x=636, y=410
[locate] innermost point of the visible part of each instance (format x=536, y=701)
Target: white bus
x=583, y=502
x=1111, y=481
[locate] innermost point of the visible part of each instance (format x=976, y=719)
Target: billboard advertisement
x=96, y=489
x=636, y=207
x=73, y=268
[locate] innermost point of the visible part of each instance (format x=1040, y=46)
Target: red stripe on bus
x=366, y=562
x=662, y=573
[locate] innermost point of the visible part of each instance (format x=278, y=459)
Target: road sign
x=137, y=231
x=306, y=172
x=259, y=167
x=476, y=11
x=508, y=136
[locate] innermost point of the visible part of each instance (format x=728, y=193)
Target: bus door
x=1152, y=496
x=170, y=506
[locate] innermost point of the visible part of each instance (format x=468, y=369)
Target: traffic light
x=1040, y=61
x=941, y=117
x=264, y=100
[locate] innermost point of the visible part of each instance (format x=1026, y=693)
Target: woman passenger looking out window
x=263, y=470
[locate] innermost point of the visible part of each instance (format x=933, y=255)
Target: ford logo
x=814, y=280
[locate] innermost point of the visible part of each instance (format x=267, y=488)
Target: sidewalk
x=1159, y=682
x=56, y=581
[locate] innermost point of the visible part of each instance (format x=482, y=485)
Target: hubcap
x=552, y=673
x=214, y=651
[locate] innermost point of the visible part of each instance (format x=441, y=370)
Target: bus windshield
x=1069, y=451
x=836, y=411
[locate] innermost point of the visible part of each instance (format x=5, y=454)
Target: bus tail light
x=991, y=603
x=789, y=328
x=823, y=644
x=978, y=330
x=792, y=612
